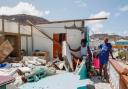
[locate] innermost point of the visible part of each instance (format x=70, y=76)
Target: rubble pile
x=29, y=69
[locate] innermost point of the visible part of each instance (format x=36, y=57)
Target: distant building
x=122, y=42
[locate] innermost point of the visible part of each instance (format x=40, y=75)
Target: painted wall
x=41, y=42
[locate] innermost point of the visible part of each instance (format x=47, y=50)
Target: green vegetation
x=123, y=55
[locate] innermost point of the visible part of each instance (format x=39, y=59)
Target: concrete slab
x=60, y=81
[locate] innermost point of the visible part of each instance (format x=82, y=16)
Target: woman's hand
x=69, y=46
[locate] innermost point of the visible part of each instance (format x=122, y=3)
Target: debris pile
x=30, y=69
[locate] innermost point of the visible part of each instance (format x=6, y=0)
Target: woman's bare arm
x=75, y=50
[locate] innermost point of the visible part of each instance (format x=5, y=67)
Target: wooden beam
x=83, y=25
x=19, y=42
x=26, y=44
x=32, y=38
x=77, y=20
x=10, y=33
x=3, y=29
x=3, y=23
x=25, y=35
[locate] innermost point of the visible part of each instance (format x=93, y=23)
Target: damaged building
x=25, y=37
x=34, y=54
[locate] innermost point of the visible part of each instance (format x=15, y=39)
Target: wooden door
x=57, y=44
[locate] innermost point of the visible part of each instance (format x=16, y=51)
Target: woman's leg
x=101, y=69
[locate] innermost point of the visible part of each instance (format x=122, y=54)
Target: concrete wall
x=41, y=42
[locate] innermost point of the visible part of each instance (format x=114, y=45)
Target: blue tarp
x=5, y=65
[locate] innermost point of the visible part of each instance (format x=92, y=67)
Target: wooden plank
x=116, y=66
x=10, y=33
x=19, y=43
x=76, y=20
x=5, y=49
x=124, y=82
x=67, y=54
x=32, y=38
x=3, y=24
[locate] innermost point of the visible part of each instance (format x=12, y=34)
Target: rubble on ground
x=29, y=66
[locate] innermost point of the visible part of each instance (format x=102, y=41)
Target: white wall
x=41, y=42
x=13, y=27
x=25, y=30
x=10, y=26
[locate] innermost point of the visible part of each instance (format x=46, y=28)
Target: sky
x=115, y=10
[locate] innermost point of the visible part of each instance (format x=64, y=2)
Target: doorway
x=57, y=44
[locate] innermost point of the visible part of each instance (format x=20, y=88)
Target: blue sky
x=115, y=10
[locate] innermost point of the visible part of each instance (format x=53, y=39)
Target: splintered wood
x=5, y=49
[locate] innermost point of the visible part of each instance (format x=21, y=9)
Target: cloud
x=47, y=12
x=124, y=8
x=97, y=26
x=81, y=3
x=101, y=14
x=125, y=33
x=22, y=8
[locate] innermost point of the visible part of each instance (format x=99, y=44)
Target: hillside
x=22, y=18
x=111, y=37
